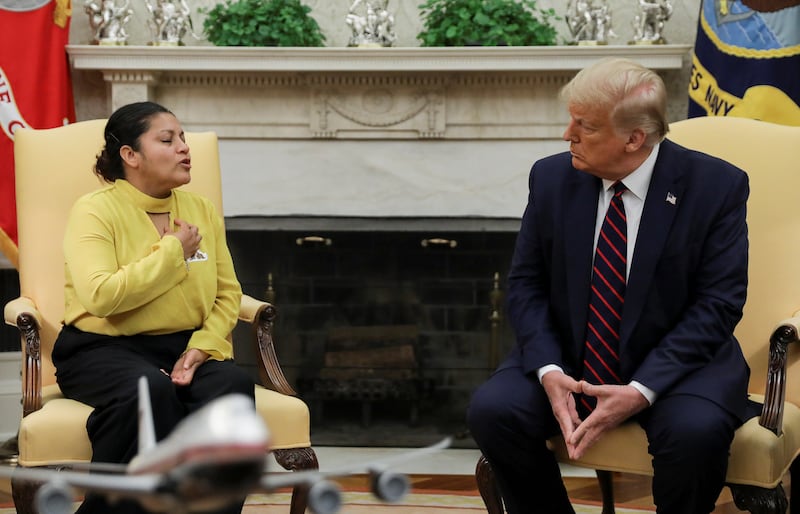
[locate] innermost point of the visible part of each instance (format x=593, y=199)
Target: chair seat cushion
x=286, y=416
x=758, y=457
x=56, y=433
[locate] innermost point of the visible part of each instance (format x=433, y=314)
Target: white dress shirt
x=637, y=183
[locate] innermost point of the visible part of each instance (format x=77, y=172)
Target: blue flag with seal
x=746, y=63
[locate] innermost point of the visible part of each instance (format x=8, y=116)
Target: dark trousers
x=103, y=372
x=511, y=419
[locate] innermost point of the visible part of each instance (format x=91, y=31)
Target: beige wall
x=330, y=15
x=90, y=90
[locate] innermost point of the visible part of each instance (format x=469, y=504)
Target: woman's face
x=162, y=162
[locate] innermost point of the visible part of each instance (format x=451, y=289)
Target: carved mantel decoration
x=397, y=106
x=351, y=93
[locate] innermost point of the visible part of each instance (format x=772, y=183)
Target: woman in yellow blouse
x=150, y=290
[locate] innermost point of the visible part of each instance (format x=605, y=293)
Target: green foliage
x=486, y=23
x=262, y=23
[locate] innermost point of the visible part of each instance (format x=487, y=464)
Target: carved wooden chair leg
x=758, y=500
x=297, y=459
x=606, y=481
x=23, y=493
x=487, y=486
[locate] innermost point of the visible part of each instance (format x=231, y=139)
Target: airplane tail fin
x=147, y=431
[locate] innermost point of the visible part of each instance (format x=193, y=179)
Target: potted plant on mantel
x=486, y=23
x=262, y=23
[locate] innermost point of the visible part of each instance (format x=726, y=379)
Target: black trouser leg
x=104, y=373
x=511, y=419
x=689, y=438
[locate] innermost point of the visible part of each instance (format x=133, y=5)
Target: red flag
x=35, y=88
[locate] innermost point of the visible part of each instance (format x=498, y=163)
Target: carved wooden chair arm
x=262, y=317
x=23, y=314
x=775, y=393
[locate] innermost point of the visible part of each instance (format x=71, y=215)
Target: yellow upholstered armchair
x=53, y=168
x=764, y=448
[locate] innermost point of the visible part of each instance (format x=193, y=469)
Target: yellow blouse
x=123, y=278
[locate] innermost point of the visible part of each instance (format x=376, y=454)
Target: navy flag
x=746, y=62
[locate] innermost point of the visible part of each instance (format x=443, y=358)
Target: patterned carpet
x=430, y=494
x=364, y=503
x=414, y=503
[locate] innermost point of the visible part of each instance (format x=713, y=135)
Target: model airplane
x=214, y=457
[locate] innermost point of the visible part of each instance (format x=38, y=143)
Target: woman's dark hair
x=124, y=127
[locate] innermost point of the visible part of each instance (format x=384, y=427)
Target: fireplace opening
x=369, y=364
x=383, y=332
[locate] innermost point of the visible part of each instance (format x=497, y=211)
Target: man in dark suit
x=674, y=365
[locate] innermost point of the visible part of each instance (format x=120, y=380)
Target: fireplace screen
x=384, y=334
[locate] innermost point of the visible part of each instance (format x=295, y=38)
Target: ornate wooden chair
x=53, y=168
x=764, y=449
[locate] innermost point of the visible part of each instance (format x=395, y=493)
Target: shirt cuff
x=648, y=393
x=547, y=369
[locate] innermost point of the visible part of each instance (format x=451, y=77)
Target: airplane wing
x=324, y=496
x=156, y=492
x=57, y=494
x=125, y=485
x=380, y=465
x=93, y=467
x=271, y=482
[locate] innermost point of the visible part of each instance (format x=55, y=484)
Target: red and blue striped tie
x=601, y=355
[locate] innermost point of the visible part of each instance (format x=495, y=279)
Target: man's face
x=595, y=147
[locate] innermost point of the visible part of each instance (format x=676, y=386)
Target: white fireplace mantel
x=414, y=92
x=328, y=59
x=387, y=132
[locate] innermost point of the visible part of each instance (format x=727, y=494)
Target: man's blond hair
x=634, y=96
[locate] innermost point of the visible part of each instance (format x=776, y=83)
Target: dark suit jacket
x=686, y=286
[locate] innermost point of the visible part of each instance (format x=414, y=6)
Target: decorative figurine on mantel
x=589, y=22
x=648, y=24
x=107, y=19
x=372, y=24
x=169, y=21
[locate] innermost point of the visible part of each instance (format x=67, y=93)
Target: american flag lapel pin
x=671, y=198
